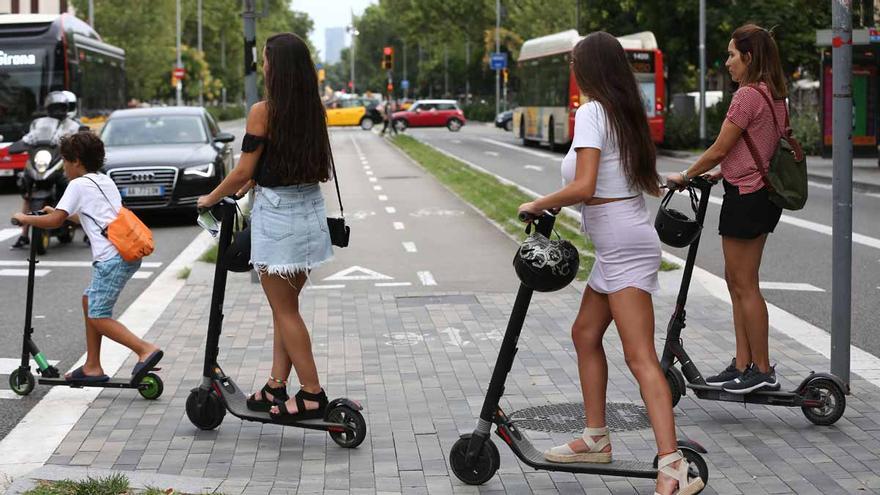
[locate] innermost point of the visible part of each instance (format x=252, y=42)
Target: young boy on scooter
x=96, y=199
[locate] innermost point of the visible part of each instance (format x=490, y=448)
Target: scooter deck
x=111, y=383
x=236, y=403
x=771, y=397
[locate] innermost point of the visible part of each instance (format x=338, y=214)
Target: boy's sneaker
x=21, y=243
x=752, y=381
x=729, y=374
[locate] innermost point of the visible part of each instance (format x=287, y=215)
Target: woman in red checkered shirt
x=747, y=215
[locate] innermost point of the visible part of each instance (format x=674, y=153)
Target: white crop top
x=591, y=130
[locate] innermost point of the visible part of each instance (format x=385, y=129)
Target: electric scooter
x=21, y=380
x=474, y=458
x=821, y=396
x=207, y=404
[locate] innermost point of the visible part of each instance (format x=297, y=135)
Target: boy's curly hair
x=86, y=147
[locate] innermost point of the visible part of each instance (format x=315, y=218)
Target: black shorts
x=747, y=216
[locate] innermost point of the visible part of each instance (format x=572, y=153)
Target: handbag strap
x=751, y=144
x=103, y=229
x=102, y=193
x=336, y=183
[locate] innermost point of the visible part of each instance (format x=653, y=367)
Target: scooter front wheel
x=21, y=381
x=487, y=462
x=835, y=402
x=351, y=418
x=207, y=415
x=151, y=387
x=676, y=384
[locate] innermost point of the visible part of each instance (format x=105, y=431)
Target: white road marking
x=358, y=273
x=9, y=233
x=377, y=188
x=456, y=141
x=8, y=365
x=523, y=149
x=410, y=247
x=369, y=172
x=236, y=156
x=142, y=274
x=819, y=185
x=790, y=286
x=366, y=167
x=328, y=286
x=20, y=272
x=436, y=212
x=393, y=284
x=373, y=179
x=534, y=167
x=873, y=195
x=390, y=209
x=9, y=395
x=398, y=226
x=491, y=153
x=454, y=335
x=426, y=278
x=383, y=197
x=68, y=264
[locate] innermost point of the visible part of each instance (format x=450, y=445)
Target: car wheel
x=454, y=125
x=401, y=125
x=508, y=126
x=366, y=123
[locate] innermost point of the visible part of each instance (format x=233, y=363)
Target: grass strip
x=115, y=484
x=498, y=201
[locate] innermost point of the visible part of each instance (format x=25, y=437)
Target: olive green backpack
x=786, y=176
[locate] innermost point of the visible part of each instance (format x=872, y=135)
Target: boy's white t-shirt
x=82, y=196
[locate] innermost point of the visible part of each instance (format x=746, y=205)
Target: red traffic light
x=387, y=50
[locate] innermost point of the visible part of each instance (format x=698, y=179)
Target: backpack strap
x=751, y=145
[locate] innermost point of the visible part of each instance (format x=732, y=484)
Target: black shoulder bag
x=339, y=232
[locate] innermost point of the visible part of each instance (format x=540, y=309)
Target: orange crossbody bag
x=126, y=232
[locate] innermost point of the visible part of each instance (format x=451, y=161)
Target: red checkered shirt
x=749, y=111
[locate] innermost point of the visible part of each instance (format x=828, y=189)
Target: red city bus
x=549, y=96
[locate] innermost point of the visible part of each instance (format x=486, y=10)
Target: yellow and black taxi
x=353, y=111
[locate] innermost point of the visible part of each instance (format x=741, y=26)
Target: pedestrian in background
x=388, y=109
x=286, y=151
x=611, y=163
x=747, y=214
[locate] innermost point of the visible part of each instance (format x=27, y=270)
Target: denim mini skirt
x=289, y=230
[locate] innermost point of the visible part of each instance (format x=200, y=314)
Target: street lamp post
x=702, y=52
x=179, y=86
x=201, y=83
x=354, y=32
x=497, y=49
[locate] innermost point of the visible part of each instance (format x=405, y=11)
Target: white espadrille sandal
x=594, y=454
x=686, y=486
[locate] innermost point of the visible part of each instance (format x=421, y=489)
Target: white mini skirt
x=626, y=245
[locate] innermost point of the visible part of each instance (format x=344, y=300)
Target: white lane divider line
x=410, y=247
x=491, y=153
x=521, y=149
x=373, y=179
x=142, y=274
x=377, y=188
x=456, y=141
x=819, y=185
x=817, y=227
x=369, y=172
x=390, y=209
x=8, y=365
x=534, y=167
x=9, y=395
x=426, y=278
x=367, y=167
x=393, y=284
x=69, y=264
x=325, y=287
x=790, y=286
x=383, y=197
x=398, y=226
x=9, y=233
x=21, y=272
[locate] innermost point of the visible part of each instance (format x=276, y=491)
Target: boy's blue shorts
x=108, y=279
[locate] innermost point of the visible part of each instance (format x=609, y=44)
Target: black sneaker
x=729, y=373
x=21, y=243
x=752, y=381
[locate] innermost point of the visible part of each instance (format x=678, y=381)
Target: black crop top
x=263, y=175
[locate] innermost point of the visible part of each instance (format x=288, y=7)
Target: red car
x=430, y=113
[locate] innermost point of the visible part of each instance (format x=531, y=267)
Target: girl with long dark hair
x=611, y=163
x=747, y=214
x=286, y=153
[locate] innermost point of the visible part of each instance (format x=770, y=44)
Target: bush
x=230, y=112
x=682, y=132
x=480, y=111
x=807, y=131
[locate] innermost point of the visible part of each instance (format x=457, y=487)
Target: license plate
x=6, y=172
x=142, y=191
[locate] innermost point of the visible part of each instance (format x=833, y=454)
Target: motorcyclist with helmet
x=59, y=121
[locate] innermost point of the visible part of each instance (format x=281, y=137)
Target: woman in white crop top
x=610, y=164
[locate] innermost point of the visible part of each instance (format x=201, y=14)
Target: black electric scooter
x=821, y=396
x=207, y=404
x=474, y=458
x=21, y=381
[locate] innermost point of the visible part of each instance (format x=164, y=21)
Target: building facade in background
x=334, y=40
x=34, y=6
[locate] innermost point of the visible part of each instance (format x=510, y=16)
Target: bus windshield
x=23, y=81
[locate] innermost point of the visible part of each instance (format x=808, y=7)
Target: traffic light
x=388, y=58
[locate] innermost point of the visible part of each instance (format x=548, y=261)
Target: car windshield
x=170, y=129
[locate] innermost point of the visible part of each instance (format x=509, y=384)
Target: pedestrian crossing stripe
x=9, y=233
x=358, y=273
x=21, y=272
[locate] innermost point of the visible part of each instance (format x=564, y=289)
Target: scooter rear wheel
x=696, y=466
x=153, y=387
x=351, y=418
x=205, y=416
x=487, y=462
x=21, y=381
x=835, y=402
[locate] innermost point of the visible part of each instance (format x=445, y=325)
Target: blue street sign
x=404, y=84
x=319, y=66
x=498, y=60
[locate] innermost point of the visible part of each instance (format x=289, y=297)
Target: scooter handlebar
x=35, y=213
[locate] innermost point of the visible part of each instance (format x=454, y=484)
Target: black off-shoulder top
x=263, y=175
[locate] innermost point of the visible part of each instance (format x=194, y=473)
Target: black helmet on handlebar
x=546, y=265
x=238, y=255
x=674, y=227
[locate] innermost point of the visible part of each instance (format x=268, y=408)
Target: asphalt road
x=799, y=252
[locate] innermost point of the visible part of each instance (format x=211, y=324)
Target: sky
x=329, y=13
